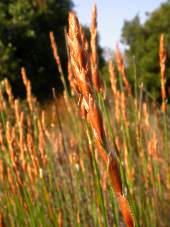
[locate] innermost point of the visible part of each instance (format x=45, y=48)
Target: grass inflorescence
x=96, y=156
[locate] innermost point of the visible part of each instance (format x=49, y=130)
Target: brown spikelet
x=27, y=84
x=96, y=120
x=146, y=115
x=55, y=51
x=93, y=44
x=104, y=181
x=24, y=76
x=43, y=119
x=17, y=111
x=2, y=223
x=102, y=151
x=41, y=143
x=83, y=112
x=2, y=102
x=21, y=132
x=57, y=59
x=121, y=68
x=10, y=137
x=2, y=142
x=32, y=153
x=71, y=78
x=54, y=48
x=11, y=180
x=126, y=212
x=21, y=141
x=113, y=79
x=152, y=146
x=1, y=171
x=123, y=108
x=60, y=219
x=117, y=105
x=29, y=96
x=72, y=81
x=114, y=174
x=162, y=58
x=78, y=218
x=31, y=174
x=9, y=92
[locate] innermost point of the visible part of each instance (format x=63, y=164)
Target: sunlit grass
x=52, y=172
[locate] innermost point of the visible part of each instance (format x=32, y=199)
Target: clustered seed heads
x=55, y=52
x=162, y=57
x=9, y=92
x=121, y=68
x=79, y=56
x=71, y=79
x=22, y=160
x=113, y=79
x=94, y=55
x=27, y=84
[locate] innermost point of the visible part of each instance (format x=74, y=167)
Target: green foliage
x=24, y=41
x=142, y=42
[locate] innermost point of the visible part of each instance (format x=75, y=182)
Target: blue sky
x=111, y=15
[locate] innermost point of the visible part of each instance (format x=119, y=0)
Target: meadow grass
x=95, y=157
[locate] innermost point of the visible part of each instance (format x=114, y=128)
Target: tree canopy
x=142, y=42
x=24, y=41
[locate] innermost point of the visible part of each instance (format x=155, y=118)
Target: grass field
x=96, y=157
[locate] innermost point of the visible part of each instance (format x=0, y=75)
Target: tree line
x=142, y=48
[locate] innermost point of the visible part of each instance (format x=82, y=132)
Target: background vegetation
x=142, y=47
x=96, y=157
x=24, y=41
